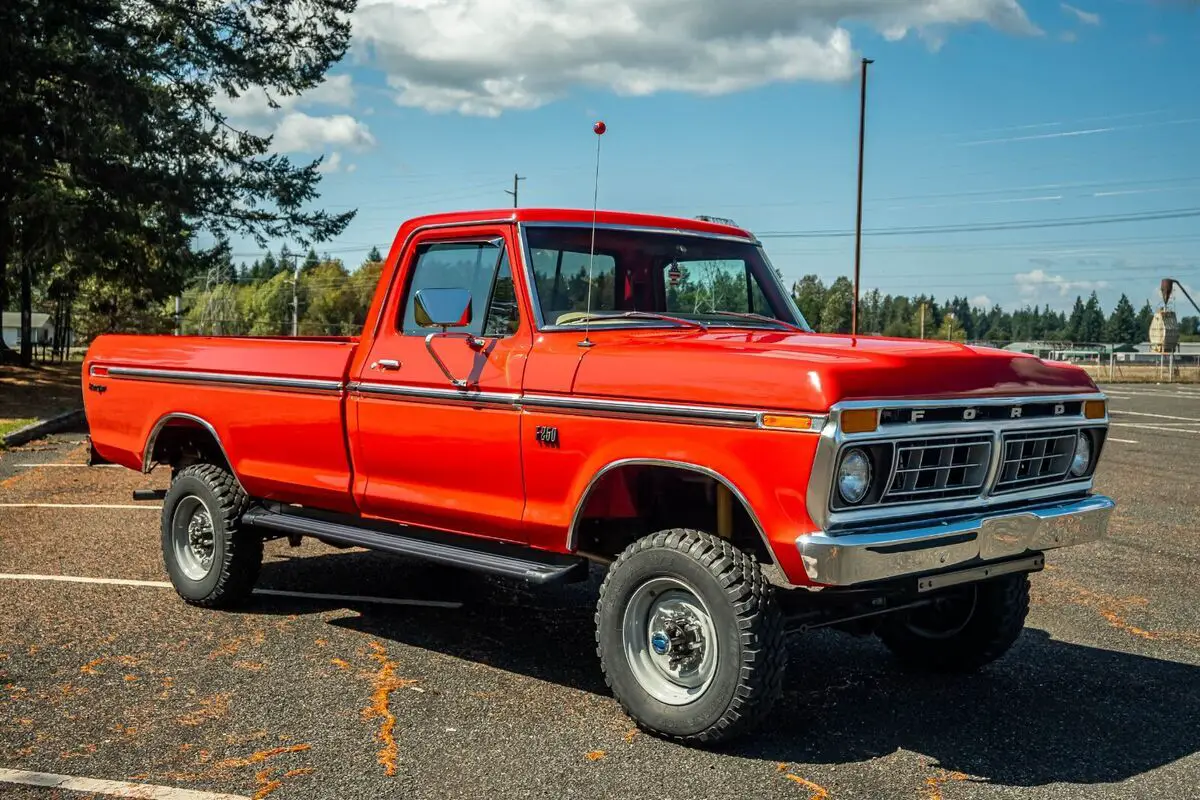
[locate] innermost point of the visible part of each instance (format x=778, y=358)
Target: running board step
x=481, y=560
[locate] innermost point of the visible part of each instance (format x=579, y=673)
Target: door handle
x=386, y=363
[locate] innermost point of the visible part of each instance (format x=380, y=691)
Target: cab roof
x=581, y=215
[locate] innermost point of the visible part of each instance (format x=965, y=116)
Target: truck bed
x=287, y=439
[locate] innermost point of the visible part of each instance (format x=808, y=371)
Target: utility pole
x=296, y=300
x=862, y=132
x=178, y=315
x=922, y=320
x=515, y=188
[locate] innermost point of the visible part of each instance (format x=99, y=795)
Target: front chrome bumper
x=853, y=558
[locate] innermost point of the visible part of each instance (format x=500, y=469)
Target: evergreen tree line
x=257, y=299
x=827, y=309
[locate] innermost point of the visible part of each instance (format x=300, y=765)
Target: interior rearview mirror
x=442, y=308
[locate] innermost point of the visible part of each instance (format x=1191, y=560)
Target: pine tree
x=1122, y=325
x=115, y=152
x=1144, y=318
x=809, y=295
x=374, y=255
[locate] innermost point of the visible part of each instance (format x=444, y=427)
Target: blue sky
x=980, y=112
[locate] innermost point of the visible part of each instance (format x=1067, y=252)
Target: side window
x=480, y=267
x=502, y=317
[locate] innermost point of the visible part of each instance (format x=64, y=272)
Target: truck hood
x=807, y=372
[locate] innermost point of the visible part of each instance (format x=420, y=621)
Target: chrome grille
x=938, y=468
x=1035, y=458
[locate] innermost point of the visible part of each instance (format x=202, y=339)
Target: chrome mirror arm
x=473, y=341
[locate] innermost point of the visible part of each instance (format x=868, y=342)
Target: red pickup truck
x=541, y=392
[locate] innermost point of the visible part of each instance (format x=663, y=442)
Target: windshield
x=713, y=281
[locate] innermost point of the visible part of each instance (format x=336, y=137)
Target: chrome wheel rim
x=670, y=641
x=193, y=538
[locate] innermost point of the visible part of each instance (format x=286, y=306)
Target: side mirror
x=442, y=308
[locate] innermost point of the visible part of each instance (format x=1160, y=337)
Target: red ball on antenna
x=599, y=128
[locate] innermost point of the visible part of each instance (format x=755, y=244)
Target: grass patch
x=7, y=426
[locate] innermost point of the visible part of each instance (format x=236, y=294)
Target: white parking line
x=340, y=598
x=1148, y=414
x=1122, y=441
x=1144, y=427
x=84, y=466
x=75, y=505
x=144, y=791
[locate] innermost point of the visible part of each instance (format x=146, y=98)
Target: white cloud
x=331, y=164
x=1086, y=17
x=298, y=131
x=484, y=57
x=254, y=106
x=295, y=130
x=981, y=301
x=1033, y=285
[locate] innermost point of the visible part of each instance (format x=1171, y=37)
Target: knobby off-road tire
x=725, y=598
x=203, y=507
x=944, y=642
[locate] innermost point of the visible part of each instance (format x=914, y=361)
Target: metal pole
x=178, y=315
x=515, y=188
x=862, y=132
x=296, y=300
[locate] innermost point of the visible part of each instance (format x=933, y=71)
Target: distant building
x=43, y=328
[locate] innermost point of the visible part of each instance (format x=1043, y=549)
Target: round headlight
x=1083, y=455
x=854, y=476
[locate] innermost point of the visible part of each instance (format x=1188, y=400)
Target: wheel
x=211, y=560
x=689, y=637
x=969, y=627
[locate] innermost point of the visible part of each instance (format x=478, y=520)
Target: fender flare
x=576, y=517
x=166, y=419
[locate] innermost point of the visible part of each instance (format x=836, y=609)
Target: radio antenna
x=599, y=128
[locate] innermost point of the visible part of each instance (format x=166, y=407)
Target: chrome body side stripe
x=435, y=394
x=668, y=411
x=227, y=378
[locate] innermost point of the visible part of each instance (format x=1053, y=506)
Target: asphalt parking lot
x=473, y=687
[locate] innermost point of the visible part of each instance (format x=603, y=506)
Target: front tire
x=972, y=626
x=689, y=637
x=211, y=560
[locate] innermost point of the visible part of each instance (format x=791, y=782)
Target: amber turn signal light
x=1093, y=409
x=788, y=422
x=860, y=420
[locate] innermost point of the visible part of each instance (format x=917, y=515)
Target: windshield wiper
x=762, y=317
x=638, y=315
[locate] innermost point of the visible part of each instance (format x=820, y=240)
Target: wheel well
x=182, y=441
x=633, y=500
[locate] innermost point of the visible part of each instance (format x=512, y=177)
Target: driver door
x=427, y=452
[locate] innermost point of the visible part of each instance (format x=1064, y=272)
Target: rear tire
x=695, y=595
x=211, y=560
x=976, y=625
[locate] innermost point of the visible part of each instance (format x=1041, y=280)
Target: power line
x=1015, y=225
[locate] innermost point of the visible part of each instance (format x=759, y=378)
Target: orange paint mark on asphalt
x=631, y=735
x=385, y=682
x=1114, y=610
x=131, y=678
x=252, y=666
x=262, y=755
x=266, y=784
x=595, y=755
x=210, y=708
x=339, y=663
x=934, y=783
x=90, y=667
x=819, y=792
